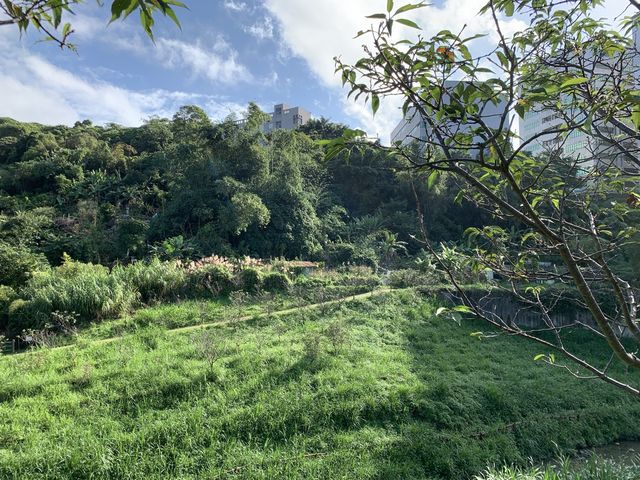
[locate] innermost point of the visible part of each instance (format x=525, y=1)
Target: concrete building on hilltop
x=285, y=117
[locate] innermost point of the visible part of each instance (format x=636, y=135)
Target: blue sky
x=229, y=52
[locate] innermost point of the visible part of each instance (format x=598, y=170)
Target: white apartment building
x=413, y=127
x=285, y=117
x=577, y=145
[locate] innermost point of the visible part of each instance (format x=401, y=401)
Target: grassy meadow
x=371, y=388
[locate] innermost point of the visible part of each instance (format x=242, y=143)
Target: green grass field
x=375, y=388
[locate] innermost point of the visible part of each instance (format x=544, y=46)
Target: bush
x=7, y=296
x=276, y=282
x=340, y=254
x=85, y=289
x=249, y=279
x=343, y=253
x=213, y=279
x=154, y=280
x=17, y=264
x=410, y=278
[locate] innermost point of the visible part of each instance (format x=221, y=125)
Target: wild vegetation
x=594, y=468
x=91, y=218
x=198, y=299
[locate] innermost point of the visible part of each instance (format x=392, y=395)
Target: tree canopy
x=569, y=219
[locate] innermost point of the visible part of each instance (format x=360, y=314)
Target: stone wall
x=507, y=307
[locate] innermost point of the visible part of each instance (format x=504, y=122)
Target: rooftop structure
x=285, y=117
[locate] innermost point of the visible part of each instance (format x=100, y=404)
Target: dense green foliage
x=380, y=388
x=186, y=186
x=91, y=293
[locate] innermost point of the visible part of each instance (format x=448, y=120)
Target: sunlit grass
x=378, y=388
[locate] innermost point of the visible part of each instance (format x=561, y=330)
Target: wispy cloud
x=217, y=62
x=262, y=29
x=236, y=6
x=303, y=27
x=38, y=91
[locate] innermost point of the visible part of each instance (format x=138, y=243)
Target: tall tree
x=572, y=218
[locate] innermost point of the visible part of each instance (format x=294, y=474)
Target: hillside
x=371, y=388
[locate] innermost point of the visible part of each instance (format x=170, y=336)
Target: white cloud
x=87, y=27
x=215, y=60
x=221, y=109
x=319, y=31
x=236, y=6
x=219, y=63
x=262, y=29
x=38, y=91
x=28, y=103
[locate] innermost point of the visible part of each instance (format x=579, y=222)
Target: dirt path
x=221, y=323
x=279, y=313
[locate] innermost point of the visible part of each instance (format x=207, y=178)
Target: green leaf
x=433, y=178
x=408, y=23
x=574, y=81
x=375, y=103
x=57, y=15
x=635, y=116
x=147, y=22
x=118, y=7
x=463, y=309
x=389, y=5
x=538, y=357
x=508, y=8
x=441, y=310
x=380, y=16
x=503, y=59
x=411, y=6
x=171, y=14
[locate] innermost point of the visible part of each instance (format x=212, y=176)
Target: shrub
x=312, y=348
x=340, y=254
x=348, y=254
x=214, y=279
x=249, y=279
x=337, y=334
x=154, y=280
x=17, y=264
x=410, y=278
x=7, y=296
x=84, y=289
x=276, y=282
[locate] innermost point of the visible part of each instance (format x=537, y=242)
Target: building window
x=278, y=110
x=297, y=119
x=278, y=124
